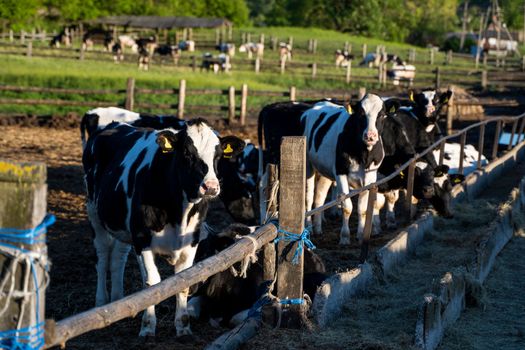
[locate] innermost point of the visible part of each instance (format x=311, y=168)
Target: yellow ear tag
x=228, y=150
x=411, y=96
x=445, y=100
x=349, y=109
x=402, y=174
x=167, y=147
x=457, y=180
x=392, y=109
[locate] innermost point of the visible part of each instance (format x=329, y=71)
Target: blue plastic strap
x=32, y=337
x=302, y=239
x=297, y=301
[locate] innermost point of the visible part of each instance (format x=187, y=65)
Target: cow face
x=199, y=149
x=429, y=102
x=423, y=183
x=443, y=184
x=373, y=111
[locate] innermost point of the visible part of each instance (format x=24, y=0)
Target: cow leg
x=362, y=204
x=321, y=190
x=342, y=187
x=119, y=257
x=182, y=318
x=378, y=205
x=150, y=277
x=391, y=199
x=103, y=243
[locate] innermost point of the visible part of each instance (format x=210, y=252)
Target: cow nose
x=428, y=192
x=210, y=188
x=430, y=110
x=371, y=136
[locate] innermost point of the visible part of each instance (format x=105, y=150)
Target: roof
x=162, y=22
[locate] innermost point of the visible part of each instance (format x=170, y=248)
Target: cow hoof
x=344, y=240
x=146, y=334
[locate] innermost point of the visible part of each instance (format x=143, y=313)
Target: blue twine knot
x=31, y=337
x=302, y=239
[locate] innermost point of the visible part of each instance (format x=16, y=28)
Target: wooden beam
x=291, y=219
x=244, y=103
x=182, y=99
x=130, y=306
x=130, y=94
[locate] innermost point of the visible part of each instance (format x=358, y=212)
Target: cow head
x=423, y=182
x=428, y=104
x=373, y=111
x=198, y=149
x=443, y=184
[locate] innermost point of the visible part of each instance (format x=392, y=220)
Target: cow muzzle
x=210, y=188
x=370, y=138
x=428, y=192
x=430, y=111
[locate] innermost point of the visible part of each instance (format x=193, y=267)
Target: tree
x=19, y=13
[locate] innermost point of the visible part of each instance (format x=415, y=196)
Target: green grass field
x=18, y=70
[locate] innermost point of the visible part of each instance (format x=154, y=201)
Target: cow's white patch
x=429, y=107
x=372, y=105
x=206, y=142
x=113, y=114
x=429, y=128
x=470, y=158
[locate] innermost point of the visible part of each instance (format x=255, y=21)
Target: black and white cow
x=341, y=146
x=343, y=58
x=61, y=38
x=150, y=189
x=97, y=36
x=168, y=50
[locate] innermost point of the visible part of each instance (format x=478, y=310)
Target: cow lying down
x=225, y=298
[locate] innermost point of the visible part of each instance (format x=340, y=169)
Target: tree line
x=415, y=21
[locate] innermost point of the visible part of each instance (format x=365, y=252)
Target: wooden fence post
x=412, y=56
x=448, y=59
x=450, y=114
x=314, y=70
x=273, y=43
x=244, y=102
x=257, y=64
x=22, y=37
x=269, y=253
x=438, y=78
x=380, y=74
x=514, y=128
x=283, y=64
x=231, y=104
x=346, y=46
x=290, y=42
x=82, y=52
x=463, y=140
x=193, y=63
x=248, y=37
x=130, y=94
x=496, y=140
x=29, y=52
x=293, y=91
x=431, y=55
x=182, y=99
x=291, y=219
x=484, y=80
x=364, y=50
x=348, y=71
x=314, y=46
x=261, y=38
x=11, y=36
x=481, y=144
x=410, y=190
x=23, y=198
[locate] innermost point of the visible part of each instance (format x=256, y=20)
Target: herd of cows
x=150, y=180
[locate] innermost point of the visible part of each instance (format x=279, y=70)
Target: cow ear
x=456, y=178
x=166, y=141
x=231, y=146
x=441, y=170
x=445, y=96
x=392, y=105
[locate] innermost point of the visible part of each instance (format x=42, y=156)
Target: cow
x=150, y=189
x=398, y=72
x=252, y=48
x=374, y=59
x=149, y=44
x=168, y=50
x=342, y=58
x=118, y=55
x=62, y=38
x=470, y=158
x=236, y=173
x=227, y=296
x=187, y=45
x=226, y=48
x=342, y=146
x=128, y=41
x=215, y=64
x=94, y=36
x=144, y=58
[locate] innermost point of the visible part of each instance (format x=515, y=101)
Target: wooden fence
x=291, y=219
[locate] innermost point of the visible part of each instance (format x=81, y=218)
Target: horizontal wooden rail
x=20, y=101
x=130, y=306
x=60, y=90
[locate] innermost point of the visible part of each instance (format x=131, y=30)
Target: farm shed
x=161, y=22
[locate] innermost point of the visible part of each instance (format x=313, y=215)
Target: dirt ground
x=73, y=274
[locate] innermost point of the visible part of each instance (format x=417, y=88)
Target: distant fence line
x=236, y=109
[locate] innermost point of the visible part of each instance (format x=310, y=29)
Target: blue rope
x=302, y=239
x=32, y=337
x=297, y=301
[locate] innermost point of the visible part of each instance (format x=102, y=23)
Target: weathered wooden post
x=82, y=52
x=130, y=94
x=231, y=104
x=22, y=37
x=481, y=144
x=372, y=193
x=292, y=93
x=484, y=80
x=268, y=251
x=291, y=225
x=410, y=190
x=261, y=38
x=290, y=41
x=23, y=253
x=310, y=45
x=283, y=64
x=496, y=140
x=441, y=153
x=29, y=51
x=244, y=103
x=364, y=50
x=513, y=132
x=193, y=63
x=349, y=71
x=346, y=46
x=438, y=78
x=248, y=37
x=450, y=114
x=273, y=43
x=43, y=35
x=380, y=74
x=11, y=36
x=182, y=99
x=462, y=142
x=314, y=46
x=257, y=65
x=217, y=36
x=314, y=70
